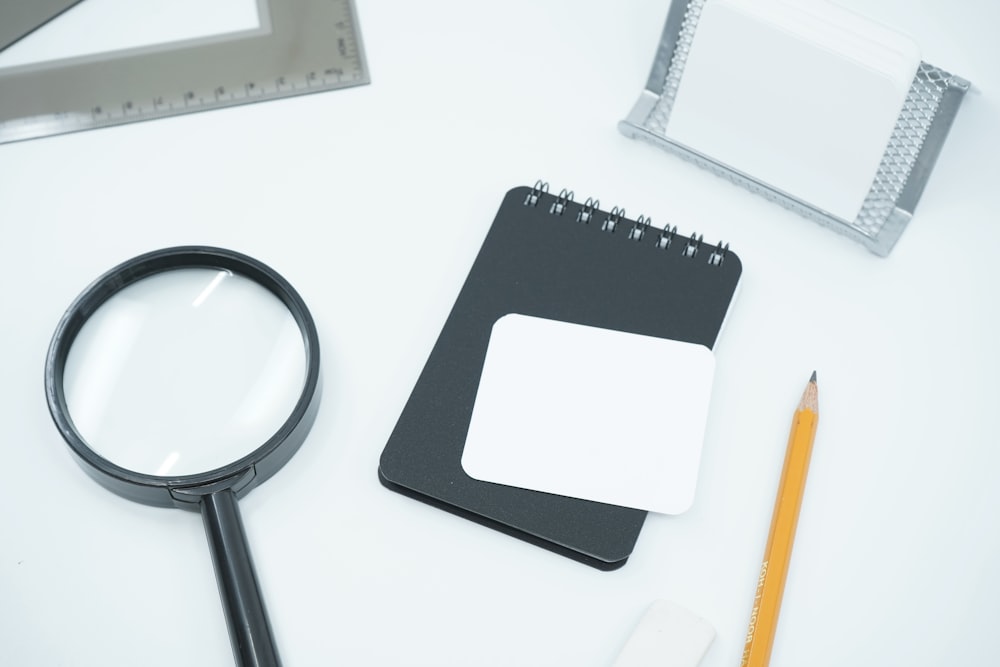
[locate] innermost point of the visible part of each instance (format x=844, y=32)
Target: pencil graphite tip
x=810, y=397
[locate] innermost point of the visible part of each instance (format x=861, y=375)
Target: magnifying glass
x=184, y=378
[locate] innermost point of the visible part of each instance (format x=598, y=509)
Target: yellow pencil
x=778, y=552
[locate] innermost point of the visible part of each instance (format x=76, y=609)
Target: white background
x=373, y=201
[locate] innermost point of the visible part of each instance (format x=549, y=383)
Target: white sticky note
x=801, y=96
x=590, y=413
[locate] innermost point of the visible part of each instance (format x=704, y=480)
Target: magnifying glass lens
x=184, y=371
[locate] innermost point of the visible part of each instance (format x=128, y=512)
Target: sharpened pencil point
x=810, y=397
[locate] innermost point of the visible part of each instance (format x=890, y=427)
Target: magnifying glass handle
x=249, y=629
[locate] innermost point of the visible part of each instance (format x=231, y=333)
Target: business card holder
x=916, y=141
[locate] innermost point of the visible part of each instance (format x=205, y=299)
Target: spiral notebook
x=549, y=257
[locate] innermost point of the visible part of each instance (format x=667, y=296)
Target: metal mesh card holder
x=917, y=138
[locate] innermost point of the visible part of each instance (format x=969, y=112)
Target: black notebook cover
x=547, y=256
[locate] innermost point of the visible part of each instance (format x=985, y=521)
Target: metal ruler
x=18, y=18
x=301, y=46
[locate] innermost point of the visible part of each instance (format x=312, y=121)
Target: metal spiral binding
x=639, y=228
x=664, y=240
x=587, y=212
x=536, y=192
x=559, y=205
x=666, y=237
x=715, y=259
x=611, y=222
x=692, y=246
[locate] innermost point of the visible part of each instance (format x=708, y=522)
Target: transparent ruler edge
x=206, y=89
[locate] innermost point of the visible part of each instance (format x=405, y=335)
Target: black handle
x=249, y=629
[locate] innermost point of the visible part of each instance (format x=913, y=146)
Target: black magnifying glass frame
x=212, y=493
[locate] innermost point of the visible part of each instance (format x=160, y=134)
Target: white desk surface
x=373, y=201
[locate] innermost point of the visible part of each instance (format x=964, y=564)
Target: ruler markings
x=83, y=90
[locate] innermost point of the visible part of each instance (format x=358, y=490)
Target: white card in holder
x=814, y=107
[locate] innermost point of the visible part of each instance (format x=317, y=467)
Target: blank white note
x=802, y=96
x=590, y=413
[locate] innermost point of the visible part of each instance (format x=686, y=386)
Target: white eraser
x=667, y=636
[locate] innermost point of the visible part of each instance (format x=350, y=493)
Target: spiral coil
x=587, y=212
x=539, y=188
x=611, y=222
x=642, y=224
x=559, y=205
x=665, y=239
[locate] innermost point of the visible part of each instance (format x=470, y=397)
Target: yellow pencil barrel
x=778, y=552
